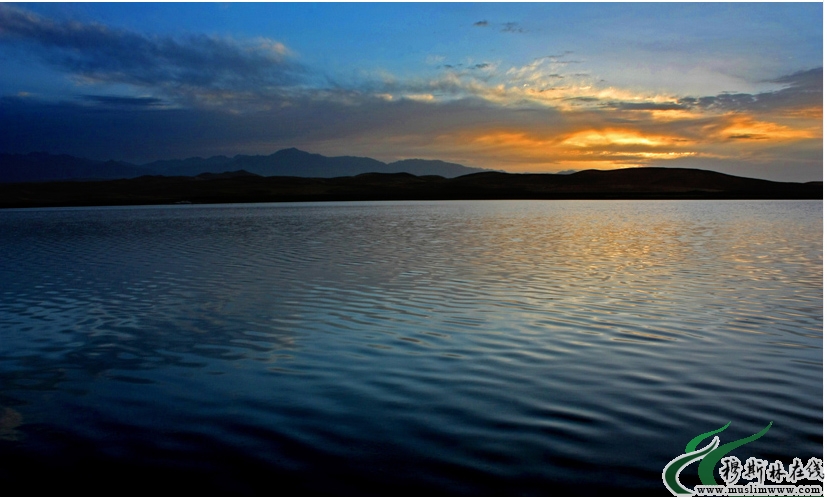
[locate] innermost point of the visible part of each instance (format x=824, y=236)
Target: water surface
x=479, y=348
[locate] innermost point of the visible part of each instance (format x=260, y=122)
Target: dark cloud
x=560, y=56
x=507, y=27
x=748, y=137
x=481, y=66
x=512, y=27
x=196, y=66
x=141, y=134
x=723, y=101
x=803, y=90
x=812, y=79
x=145, y=133
x=124, y=101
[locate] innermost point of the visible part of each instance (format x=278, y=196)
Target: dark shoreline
x=242, y=187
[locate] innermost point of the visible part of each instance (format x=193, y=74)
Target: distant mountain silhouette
x=242, y=186
x=36, y=167
x=294, y=162
x=422, y=167
x=17, y=168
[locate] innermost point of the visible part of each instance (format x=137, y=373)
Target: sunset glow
x=609, y=137
x=500, y=86
x=747, y=128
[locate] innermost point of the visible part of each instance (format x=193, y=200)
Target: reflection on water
x=464, y=347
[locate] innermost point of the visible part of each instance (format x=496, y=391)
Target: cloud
x=747, y=137
x=481, y=24
x=803, y=90
x=511, y=27
x=346, y=123
x=198, y=67
x=645, y=106
x=746, y=127
x=812, y=79
x=468, y=130
x=124, y=101
x=558, y=56
x=202, y=95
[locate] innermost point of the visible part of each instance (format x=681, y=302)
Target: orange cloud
x=591, y=148
x=513, y=139
x=623, y=137
x=747, y=128
x=815, y=112
x=673, y=115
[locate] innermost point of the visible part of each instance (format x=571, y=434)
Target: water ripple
x=457, y=347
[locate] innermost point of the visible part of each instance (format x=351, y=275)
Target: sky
x=518, y=87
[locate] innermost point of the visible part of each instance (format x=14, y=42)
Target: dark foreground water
x=479, y=348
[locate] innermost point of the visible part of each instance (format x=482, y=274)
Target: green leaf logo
x=709, y=456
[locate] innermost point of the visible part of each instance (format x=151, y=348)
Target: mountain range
x=38, y=167
x=242, y=186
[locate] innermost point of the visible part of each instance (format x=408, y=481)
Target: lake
x=368, y=348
